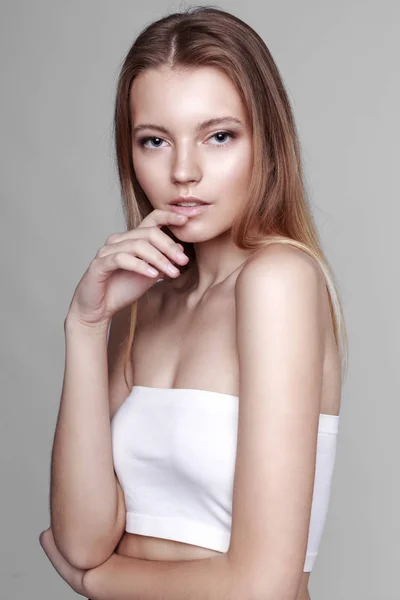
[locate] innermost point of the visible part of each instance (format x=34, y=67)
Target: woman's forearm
x=83, y=491
x=125, y=578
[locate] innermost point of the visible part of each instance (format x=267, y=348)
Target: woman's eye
x=223, y=133
x=231, y=134
x=143, y=141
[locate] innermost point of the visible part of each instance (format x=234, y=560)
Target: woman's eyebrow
x=199, y=126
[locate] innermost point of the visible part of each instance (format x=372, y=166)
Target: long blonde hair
x=276, y=206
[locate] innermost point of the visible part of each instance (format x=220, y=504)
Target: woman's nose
x=185, y=166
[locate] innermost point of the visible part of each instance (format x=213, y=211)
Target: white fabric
x=174, y=454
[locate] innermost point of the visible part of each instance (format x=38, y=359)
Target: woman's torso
x=196, y=348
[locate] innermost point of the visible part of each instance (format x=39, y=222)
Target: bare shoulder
x=279, y=280
x=280, y=264
x=281, y=255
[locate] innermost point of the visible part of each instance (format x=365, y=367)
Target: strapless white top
x=174, y=454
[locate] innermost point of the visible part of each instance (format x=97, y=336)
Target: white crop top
x=174, y=453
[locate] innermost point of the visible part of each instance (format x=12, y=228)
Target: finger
x=144, y=250
x=157, y=218
x=156, y=248
x=163, y=217
x=122, y=260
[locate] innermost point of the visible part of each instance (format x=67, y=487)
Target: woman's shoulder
x=279, y=251
x=279, y=258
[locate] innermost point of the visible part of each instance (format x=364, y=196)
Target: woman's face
x=171, y=157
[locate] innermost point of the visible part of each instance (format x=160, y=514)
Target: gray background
x=60, y=200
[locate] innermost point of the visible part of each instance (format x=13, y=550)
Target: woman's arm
x=125, y=578
x=85, y=520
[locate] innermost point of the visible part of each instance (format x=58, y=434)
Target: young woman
x=205, y=346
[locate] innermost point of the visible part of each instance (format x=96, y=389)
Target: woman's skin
x=183, y=162
x=216, y=168
x=201, y=322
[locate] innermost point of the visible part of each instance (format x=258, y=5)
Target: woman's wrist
x=74, y=325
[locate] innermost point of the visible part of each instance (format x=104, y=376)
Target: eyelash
x=142, y=141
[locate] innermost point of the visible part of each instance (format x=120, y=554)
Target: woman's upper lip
x=188, y=199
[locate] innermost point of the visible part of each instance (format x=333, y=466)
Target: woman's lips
x=190, y=211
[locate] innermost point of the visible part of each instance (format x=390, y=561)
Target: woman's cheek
x=145, y=173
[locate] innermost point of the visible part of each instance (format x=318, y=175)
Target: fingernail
x=173, y=269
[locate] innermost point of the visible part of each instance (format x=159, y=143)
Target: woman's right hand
x=119, y=274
